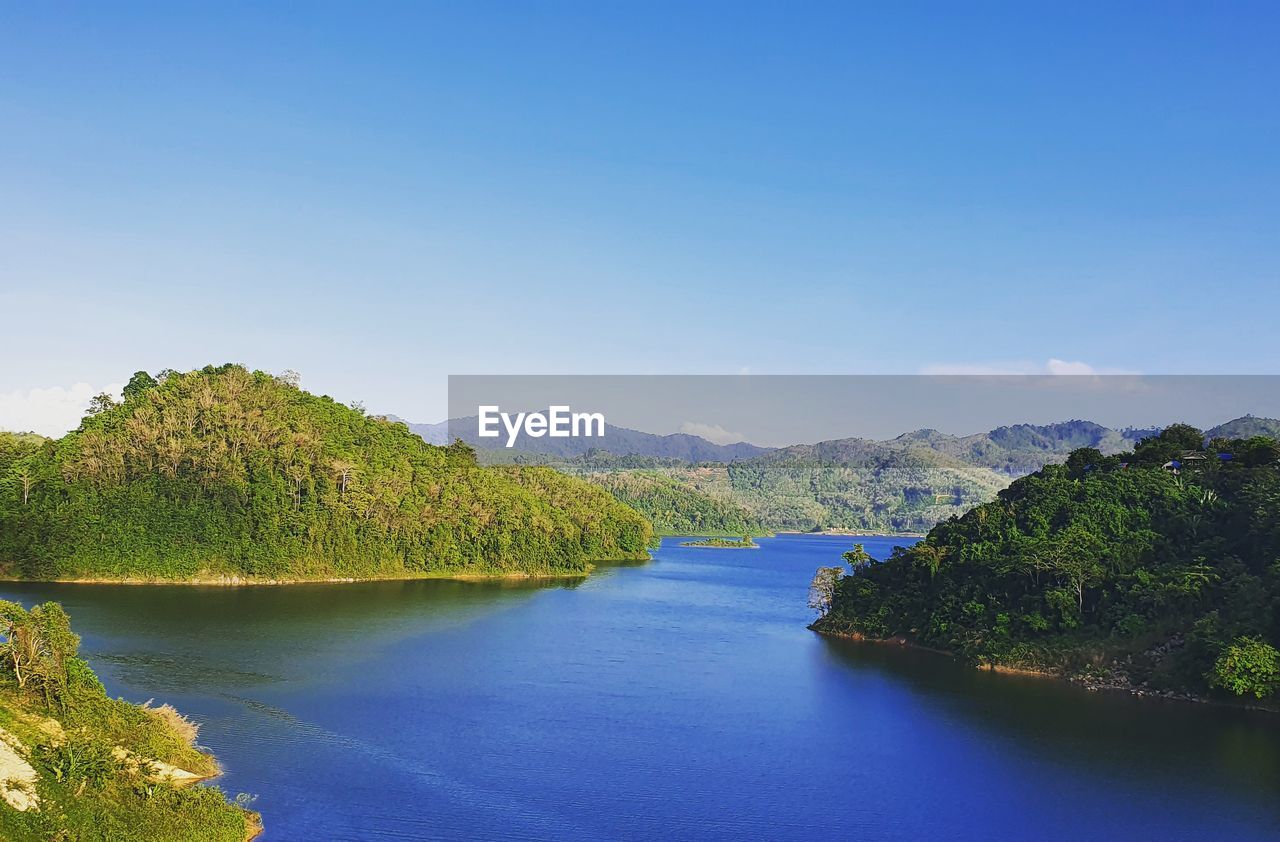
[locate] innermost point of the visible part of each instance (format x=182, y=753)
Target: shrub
x=1250, y=665
x=80, y=758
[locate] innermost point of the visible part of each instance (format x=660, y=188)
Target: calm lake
x=678, y=699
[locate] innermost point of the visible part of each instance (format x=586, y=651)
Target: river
x=682, y=698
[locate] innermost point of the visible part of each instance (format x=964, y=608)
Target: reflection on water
x=1143, y=739
x=679, y=699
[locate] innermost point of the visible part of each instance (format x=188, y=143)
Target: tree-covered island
x=223, y=474
x=1157, y=570
x=745, y=543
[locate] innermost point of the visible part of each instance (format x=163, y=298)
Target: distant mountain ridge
x=1019, y=449
x=620, y=441
x=1245, y=427
x=903, y=484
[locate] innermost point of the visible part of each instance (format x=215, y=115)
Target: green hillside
x=77, y=764
x=675, y=507
x=852, y=484
x=860, y=485
x=1245, y=427
x=1019, y=449
x=904, y=484
x=224, y=472
x=1158, y=568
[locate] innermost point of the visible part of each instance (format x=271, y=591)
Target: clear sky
x=378, y=195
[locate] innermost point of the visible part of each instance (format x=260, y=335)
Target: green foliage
x=905, y=484
x=858, y=558
x=81, y=757
x=96, y=761
x=1249, y=666
x=746, y=543
x=856, y=484
x=224, y=472
x=37, y=649
x=1102, y=557
x=823, y=588
x=675, y=507
x=1246, y=427
x=138, y=384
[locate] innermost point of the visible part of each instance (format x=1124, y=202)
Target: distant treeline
x=900, y=485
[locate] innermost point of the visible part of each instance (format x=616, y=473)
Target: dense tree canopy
x=676, y=508
x=223, y=471
x=1153, y=564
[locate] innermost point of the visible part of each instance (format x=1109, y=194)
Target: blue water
x=678, y=699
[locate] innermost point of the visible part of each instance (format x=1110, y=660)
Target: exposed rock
x=17, y=777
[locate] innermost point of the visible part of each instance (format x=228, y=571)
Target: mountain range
x=687, y=485
x=619, y=441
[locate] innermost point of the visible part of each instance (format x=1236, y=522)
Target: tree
x=1183, y=436
x=1072, y=556
x=19, y=647
x=932, y=556
x=298, y=474
x=139, y=383
x=1172, y=442
x=26, y=481
x=38, y=644
x=1082, y=458
x=461, y=452
x=342, y=472
x=101, y=402
x=1249, y=666
x=1259, y=450
x=822, y=589
x=858, y=558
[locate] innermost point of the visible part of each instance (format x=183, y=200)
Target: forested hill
x=1245, y=427
x=903, y=484
x=223, y=472
x=1019, y=449
x=1160, y=567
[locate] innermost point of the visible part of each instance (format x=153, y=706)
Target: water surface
x=682, y=698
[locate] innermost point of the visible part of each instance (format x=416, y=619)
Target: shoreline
x=845, y=533
x=238, y=581
x=1084, y=684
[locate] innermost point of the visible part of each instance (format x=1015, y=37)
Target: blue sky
x=378, y=195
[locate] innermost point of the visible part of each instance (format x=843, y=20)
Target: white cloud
x=1064, y=367
x=52, y=411
x=713, y=433
x=1051, y=366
